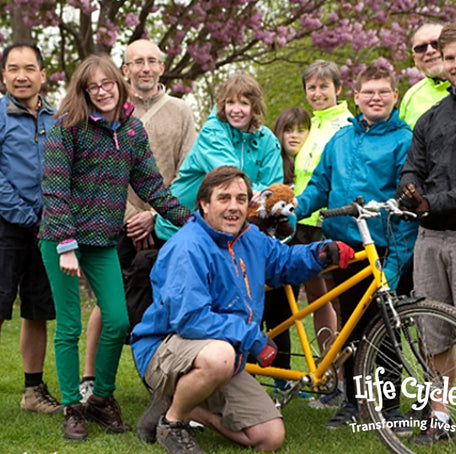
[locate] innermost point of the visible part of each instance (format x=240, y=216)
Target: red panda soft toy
x=277, y=202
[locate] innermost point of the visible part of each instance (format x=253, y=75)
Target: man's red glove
x=336, y=253
x=266, y=357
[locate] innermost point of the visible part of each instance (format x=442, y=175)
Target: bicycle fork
x=386, y=303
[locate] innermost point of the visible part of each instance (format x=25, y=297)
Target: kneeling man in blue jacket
x=193, y=341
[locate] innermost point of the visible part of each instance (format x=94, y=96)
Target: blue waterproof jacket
x=366, y=162
x=209, y=285
x=218, y=143
x=22, y=139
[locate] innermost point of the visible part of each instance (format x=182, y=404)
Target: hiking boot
x=146, y=427
x=74, y=427
x=37, y=398
x=419, y=415
x=347, y=414
x=434, y=432
x=282, y=387
x=86, y=389
x=175, y=438
x=106, y=412
x=401, y=425
x=332, y=400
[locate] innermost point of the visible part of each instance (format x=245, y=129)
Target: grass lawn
x=23, y=432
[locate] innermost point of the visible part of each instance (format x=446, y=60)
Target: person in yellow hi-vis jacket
x=322, y=86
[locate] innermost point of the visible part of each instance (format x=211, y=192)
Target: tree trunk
x=21, y=31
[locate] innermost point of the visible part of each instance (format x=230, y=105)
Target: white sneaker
x=86, y=390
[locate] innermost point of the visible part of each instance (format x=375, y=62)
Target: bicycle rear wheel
x=423, y=326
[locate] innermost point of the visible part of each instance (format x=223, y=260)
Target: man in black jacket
x=428, y=187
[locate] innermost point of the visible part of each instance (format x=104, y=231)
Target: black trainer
x=401, y=425
x=175, y=438
x=347, y=414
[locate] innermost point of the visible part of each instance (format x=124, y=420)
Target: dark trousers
x=277, y=310
x=136, y=267
x=348, y=301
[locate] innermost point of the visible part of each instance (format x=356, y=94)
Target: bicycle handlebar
x=352, y=209
x=372, y=209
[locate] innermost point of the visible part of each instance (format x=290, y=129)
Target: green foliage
x=280, y=77
x=280, y=74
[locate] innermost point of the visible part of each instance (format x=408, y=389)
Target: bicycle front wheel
x=422, y=380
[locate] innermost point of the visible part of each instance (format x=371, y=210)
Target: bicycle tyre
x=372, y=349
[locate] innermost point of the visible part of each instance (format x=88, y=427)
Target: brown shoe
x=37, y=398
x=106, y=412
x=74, y=427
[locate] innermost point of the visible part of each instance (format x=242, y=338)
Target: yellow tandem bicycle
x=399, y=336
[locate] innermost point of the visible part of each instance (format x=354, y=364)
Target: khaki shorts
x=241, y=403
x=435, y=278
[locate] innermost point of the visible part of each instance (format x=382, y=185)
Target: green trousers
x=102, y=270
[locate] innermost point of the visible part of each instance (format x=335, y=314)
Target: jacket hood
x=127, y=108
x=14, y=107
x=220, y=238
x=237, y=133
x=381, y=127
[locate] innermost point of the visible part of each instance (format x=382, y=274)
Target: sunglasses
x=420, y=48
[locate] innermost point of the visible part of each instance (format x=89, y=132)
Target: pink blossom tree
x=203, y=36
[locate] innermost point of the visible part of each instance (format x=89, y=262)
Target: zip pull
x=230, y=249
x=116, y=141
x=246, y=279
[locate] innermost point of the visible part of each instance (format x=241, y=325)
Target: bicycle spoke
x=428, y=372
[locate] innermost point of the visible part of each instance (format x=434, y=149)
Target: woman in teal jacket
x=232, y=135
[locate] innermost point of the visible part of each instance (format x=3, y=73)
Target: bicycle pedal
x=278, y=404
x=288, y=395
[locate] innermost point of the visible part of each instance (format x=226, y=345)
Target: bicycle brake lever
x=373, y=206
x=393, y=207
x=390, y=205
x=395, y=210
x=371, y=210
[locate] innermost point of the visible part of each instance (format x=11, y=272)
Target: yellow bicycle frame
x=317, y=374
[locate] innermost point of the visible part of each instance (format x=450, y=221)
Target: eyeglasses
x=421, y=48
x=368, y=94
x=106, y=85
x=140, y=62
